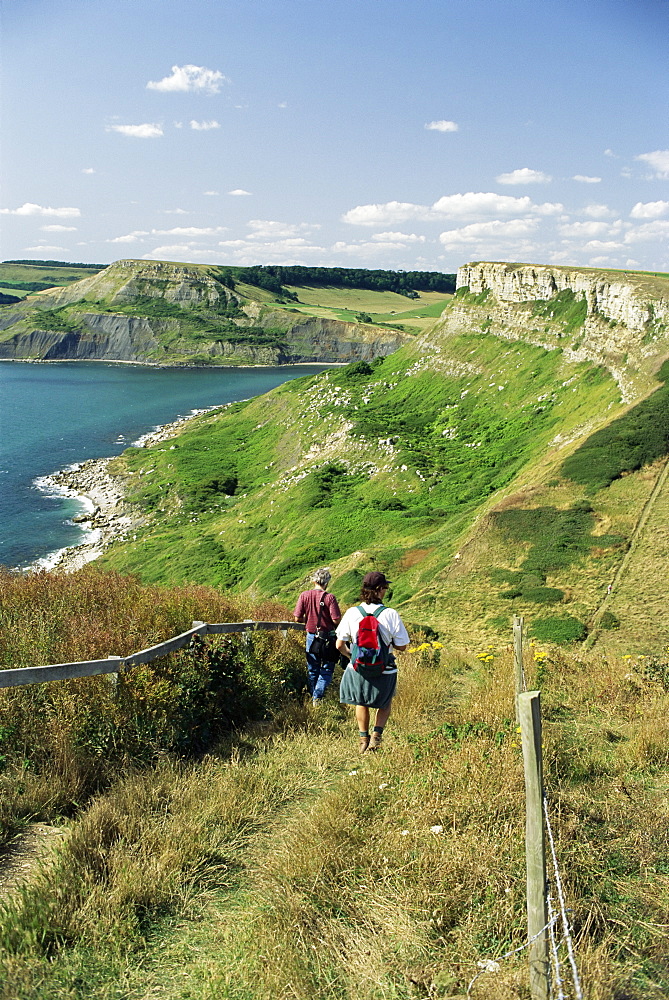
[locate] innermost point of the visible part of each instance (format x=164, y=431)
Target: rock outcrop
x=625, y=324
x=160, y=335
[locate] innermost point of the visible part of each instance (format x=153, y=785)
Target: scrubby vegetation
x=62, y=741
x=282, y=864
x=626, y=444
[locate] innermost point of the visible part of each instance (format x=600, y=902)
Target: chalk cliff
x=624, y=323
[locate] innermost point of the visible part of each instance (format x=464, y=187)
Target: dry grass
x=296, y=869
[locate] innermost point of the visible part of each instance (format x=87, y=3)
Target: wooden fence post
x=113, y=678
x=519, y=673
x=529, y=704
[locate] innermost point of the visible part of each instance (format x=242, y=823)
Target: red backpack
x=369, y=653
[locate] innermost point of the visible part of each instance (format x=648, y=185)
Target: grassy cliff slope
x=447, y=465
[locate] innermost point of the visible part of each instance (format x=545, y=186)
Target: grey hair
x=322, y=577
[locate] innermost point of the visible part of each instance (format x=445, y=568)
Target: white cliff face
x=626, y=326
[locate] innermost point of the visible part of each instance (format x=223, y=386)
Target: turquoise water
x=55, y=415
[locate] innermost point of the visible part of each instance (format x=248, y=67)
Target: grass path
x=183, y=960
x=635, y=580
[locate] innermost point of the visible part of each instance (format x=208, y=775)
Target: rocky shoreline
x=111, y=518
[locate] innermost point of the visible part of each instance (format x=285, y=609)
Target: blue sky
x=413, y=134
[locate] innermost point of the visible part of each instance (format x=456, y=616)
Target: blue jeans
x=319, y=674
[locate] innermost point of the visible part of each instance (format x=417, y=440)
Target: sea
x=54, y=415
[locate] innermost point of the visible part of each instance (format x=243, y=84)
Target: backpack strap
x=381, y=607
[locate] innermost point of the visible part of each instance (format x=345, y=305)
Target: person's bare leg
x=382, y=716
x=362, y=718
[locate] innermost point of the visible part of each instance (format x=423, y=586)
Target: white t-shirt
x=391, y=627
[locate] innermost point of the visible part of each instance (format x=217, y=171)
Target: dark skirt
x=374, y=692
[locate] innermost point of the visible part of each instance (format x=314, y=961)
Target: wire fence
x=550, y=944
x=553, y=940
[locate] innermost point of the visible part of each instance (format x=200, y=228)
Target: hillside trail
x=181, y=961
x=647, y=515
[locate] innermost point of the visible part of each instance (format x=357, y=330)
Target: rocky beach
x=110, y=517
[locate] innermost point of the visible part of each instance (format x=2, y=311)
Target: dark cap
x=374, y=581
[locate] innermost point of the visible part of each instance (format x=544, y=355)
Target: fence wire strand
x=492, y=965
x=556, y=978
x=563, y=911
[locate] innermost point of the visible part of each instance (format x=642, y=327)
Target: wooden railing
x=112, y=664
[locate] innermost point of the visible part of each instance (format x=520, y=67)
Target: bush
x=609, y=620
x=558, y=630
x=543, y=595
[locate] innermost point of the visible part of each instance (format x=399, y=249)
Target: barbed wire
x=563, y=911
x=555, y=944
x=492, y=964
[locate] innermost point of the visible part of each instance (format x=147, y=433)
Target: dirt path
x=21, y=856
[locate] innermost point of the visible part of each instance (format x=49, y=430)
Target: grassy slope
x=316, y=486
x=383, y=307
x=286, y=866
x=16, y=274
x=185, y=332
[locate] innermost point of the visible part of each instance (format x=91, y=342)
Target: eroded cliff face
x=625, y=324
x=117, y=337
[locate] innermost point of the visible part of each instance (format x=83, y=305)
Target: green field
x=382, y=307
x=20, y=279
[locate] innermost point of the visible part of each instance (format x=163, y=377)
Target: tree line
x=275, y=277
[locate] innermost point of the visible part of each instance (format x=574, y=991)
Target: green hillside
x=450, y=465
x=221, y=838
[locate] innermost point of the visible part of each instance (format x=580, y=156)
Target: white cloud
x=58, y=229
x=380, y=214
x=29, y=208
x=282, y=104
x=145, y=131
x=584, y=230
x=478, y=232
x=211, y=194
x=584, y=179
x=130, y=237
x=598, y=211
x=239, y=193
x=479, y=203
x=524, y=176
x=43, y=249
x=267, y=229
x=195, y=231
x=174, y=211
x=609, y=152
x=88, y=170
x=659, y=161
x=602, y=245
x=472, y=205
x=190, y=231
x=204, y=126
x=658, y=230
x=442, y=126
x=400, y=238
x=649, y=209
x=190, y=78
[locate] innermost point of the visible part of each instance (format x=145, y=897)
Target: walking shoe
x=375, y=741
x=364, y=743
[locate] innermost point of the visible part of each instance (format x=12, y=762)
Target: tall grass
x=287, y=866
x=62, y=741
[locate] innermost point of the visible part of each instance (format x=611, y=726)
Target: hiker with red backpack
x=367, y=636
